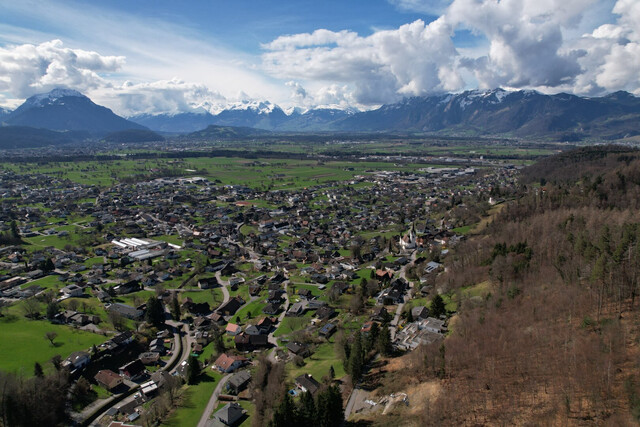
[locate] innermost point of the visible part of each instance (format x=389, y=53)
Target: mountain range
x=519, y=114
x=67, y=110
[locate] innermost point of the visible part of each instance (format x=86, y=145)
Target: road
x=224, y=284
x=393, y=326
x=272, y=340
x=181, y=352
x=213, y=401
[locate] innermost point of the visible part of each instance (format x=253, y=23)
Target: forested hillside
x=554, y=339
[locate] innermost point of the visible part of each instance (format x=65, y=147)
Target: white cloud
x=432, y=7
x=28, y=69
x=416, y=58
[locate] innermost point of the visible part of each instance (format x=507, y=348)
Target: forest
x=555, y=340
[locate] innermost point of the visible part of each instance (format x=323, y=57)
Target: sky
x=168, y=56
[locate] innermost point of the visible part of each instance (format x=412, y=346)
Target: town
x=161, y=296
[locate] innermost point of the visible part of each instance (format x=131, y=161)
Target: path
x=213, y=401
x=272, y=340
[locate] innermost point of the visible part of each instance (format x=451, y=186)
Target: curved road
x=213, y=401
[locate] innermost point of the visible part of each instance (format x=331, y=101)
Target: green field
x=28, y=345
x=319, y=363
x=194, y=401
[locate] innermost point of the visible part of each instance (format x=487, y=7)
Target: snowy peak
x=42, y=99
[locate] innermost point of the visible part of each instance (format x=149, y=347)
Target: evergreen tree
x=307, y=410
x=155, y=312
x=48, y=266
x=330, y=411
x=175, y=308
x=383, y=343
x=37, y=370
x=193, y=370
x=285, y=414
x=52, y=310
x=332, y=372
x=437, y=306
x=14, y=230
x=356, y=359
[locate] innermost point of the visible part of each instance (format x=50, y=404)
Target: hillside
x=12, y=137
x=227, y=132
x=547, y=325
x=67, y=110
x=133, y=135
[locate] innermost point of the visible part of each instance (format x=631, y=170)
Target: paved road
x=213, y=401
x=224, y=284
x=393, y=326
x=272, y=340
x=355, y=400
x=181, y=355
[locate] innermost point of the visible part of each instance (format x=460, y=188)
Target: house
x=297, y=309
x=157, y=345
x=207, y=283
x=233, y=329
x=299, y=349
x=230, y=307
x=72, y=291
x=230, y=414
x=126, y=311
x=419, y=313
x=77, y=360
x=265, y=324
x=132, y=370
x=149, y=388
x=325, y=313
x=226, y=363
x=108, y=379
x=305, y=294
x=307, y=383
x=271, y=309
x=431, y=267
x=123, y=339
x=149, y=357
x=380, y=314
x=246, y=342
x=327, y=330
x=238, y=382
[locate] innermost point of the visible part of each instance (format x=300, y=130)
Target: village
x=180, y=276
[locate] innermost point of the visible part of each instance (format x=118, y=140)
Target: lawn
x=47, y=282
x=319, y=363
x=28, y=344
x=194, y=401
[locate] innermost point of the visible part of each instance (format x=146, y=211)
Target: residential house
x=327, y=330
x=299, y=349
x=239, y=382
x=246, y=342
x=108, y=379
x=132, y=370
x=233, y=329
x=77, y=360
x=230, y=307
x=225, y=363
x=230, y=414
x=307, y=383
x=126, y=311
x=72, y=291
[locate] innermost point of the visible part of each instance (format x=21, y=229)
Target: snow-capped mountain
x=65, y=109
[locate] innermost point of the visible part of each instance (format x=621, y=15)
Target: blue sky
x=170, y=56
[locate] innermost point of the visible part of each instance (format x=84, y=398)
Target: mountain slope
x=498, y=112
x=64, y=109
x=12, y=137
x=227, y=132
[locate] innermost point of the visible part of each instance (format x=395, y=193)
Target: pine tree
x=330, y=411
x=307, y=410
x=37, y=370
x=285, y=414
x=175, y=308
x=356, y=359
x=383, y=343
x=437, y=306
x=193, y=370
x=155, y=312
